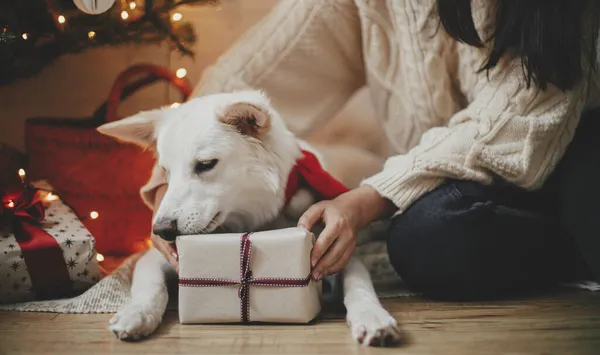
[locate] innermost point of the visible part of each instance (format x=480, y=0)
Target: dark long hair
x=556, y=40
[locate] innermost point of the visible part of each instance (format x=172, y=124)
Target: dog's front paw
x=371, y=325
x=134, y=322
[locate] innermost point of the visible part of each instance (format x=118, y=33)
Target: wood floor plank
x=566, y=323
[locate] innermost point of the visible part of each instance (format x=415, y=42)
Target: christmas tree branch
x=6, y=37
x=31, y=36
x=165, y=28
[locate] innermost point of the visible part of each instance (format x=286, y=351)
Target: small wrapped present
x=251, y=277
x=45, y=251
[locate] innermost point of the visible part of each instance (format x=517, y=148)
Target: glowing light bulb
x=181, y=72
x=175, y=104
x=124, y=15
x=177, y=16
x=61, y=19
x=10, y=204
x=94, y=215
x=99, y=257
x=51, y=197
x=25, y=36
x=22, y=175
x=132, y=5
x=91, y=34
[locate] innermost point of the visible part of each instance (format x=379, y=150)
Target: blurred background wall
x=74, y=85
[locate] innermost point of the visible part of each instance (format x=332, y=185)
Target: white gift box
x=257, y=277
x=22, y=272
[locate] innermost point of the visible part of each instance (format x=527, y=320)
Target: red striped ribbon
x=246, y=280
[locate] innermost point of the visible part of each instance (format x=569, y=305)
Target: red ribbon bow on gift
x=246, y=280
x=24, y=207
x=41, y=252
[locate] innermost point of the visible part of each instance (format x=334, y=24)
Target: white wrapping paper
x=283, y=253
x=73, y=238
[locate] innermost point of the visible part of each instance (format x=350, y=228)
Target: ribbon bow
x=246, y=280
x=25, y=210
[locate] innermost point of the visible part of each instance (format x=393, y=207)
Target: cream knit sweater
x=443, y=119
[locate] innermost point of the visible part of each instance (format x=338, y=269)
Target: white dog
x=228, y=157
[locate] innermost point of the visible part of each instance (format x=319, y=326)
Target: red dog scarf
x=308, y=173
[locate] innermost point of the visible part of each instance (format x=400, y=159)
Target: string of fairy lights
x=125, y=15
x=128, y=12
x=49, y=197
x=31, y=42
x=128, y=7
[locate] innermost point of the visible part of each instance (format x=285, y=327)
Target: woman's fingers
x=327, y=237
x=312, y=215
x=333, y=242
x=341, y=262
x=335, y=252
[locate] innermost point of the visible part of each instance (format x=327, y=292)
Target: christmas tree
x=33, y=33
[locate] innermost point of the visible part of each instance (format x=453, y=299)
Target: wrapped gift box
x=257, y=277
x=45, y=251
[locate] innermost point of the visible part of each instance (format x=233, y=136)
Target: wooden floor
x=566, y=324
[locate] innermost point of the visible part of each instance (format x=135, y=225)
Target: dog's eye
x=203, y=166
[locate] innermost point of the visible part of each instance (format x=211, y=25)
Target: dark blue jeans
x=466, y=241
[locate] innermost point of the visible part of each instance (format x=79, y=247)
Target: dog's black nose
x=166, y=229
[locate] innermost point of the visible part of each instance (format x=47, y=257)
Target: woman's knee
x=456, y=243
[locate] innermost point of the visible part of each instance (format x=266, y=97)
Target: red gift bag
x=94, y=172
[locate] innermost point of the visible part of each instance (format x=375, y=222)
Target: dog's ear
x=250, y=117
x=137, y=129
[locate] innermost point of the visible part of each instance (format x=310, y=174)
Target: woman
x=488, y=95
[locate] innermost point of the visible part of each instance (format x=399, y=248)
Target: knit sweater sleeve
x=306, y=55
x=508, y=131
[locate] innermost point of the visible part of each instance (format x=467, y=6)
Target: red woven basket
x=93, y=172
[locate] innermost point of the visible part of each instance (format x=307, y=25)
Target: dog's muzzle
x=167, y=230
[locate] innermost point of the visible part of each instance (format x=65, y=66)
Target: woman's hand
x=336, y=243
x=343, y=217
x=164, y=247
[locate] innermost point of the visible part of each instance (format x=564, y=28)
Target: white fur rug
x=109, y=295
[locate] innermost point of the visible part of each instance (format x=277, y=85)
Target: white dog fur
x=244, y=191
